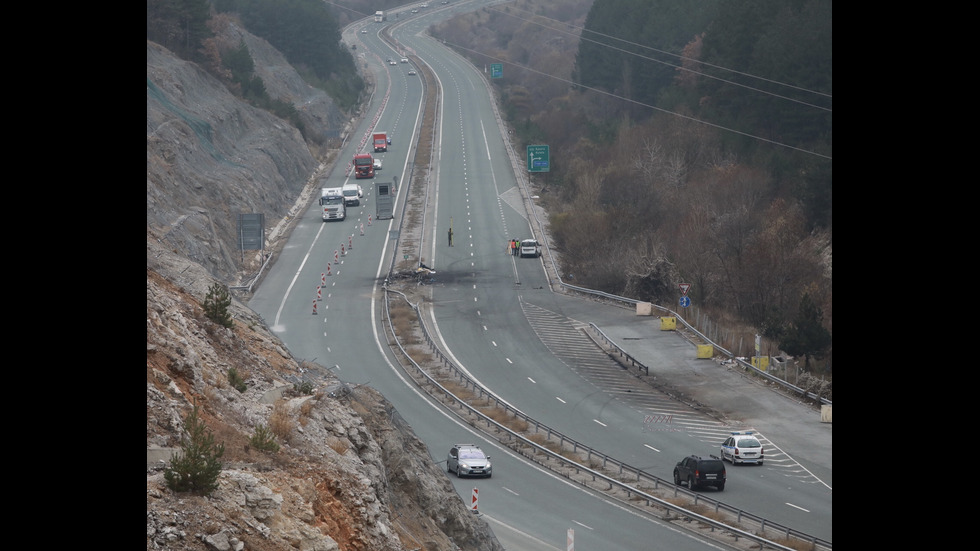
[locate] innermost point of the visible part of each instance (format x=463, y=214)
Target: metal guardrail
x=624, y=471
x=730, y=355
x=542, y=237
x=593, y=456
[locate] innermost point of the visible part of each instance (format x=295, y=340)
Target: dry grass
x=339, y=445
x=281, y=423
x=305, y=409
x=458, y=390
x=544, y=442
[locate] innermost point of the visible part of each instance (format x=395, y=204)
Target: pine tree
x=807, y=336
x=216, y=305
x=196, y=467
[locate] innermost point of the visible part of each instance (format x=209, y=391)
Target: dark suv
x=700, y=471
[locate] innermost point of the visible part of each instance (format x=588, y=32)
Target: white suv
x=743, y=447
x=530, y=247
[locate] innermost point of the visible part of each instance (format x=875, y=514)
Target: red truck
x=363, y=166
x=380, y=141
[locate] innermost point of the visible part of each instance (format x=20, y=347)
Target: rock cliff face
x=211, y=157
x=350, y=475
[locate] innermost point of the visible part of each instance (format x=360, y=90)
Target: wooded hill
x=690, y=141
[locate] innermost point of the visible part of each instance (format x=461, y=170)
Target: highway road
x=495, y=314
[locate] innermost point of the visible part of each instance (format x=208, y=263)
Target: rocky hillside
x=211, y=157
x=350, y=475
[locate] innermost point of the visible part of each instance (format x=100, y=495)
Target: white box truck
x=332, y=204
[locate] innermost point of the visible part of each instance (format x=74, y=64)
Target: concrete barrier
x=827, y=413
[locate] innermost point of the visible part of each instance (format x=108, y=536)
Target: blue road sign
x=685, y=302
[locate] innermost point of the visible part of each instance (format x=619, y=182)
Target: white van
x=352, y=194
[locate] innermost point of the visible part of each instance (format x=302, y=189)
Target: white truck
x=379, y=16
x=332, y=204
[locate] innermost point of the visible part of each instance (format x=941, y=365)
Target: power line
x=654, y=107
x=581, y=36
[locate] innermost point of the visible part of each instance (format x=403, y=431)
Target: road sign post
x=538, y=158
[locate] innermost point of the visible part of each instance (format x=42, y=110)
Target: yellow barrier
x=668, y=323
x=705, y=351
x=760, y=362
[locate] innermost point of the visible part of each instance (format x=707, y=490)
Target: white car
x=404, y=60
x=743, y=447
x=530, y=247
x=377, y=164
x=363, y=31
x=411, y=71
x=392, y=62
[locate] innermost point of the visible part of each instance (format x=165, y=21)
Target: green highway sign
x=496, y=70
x=538, y=158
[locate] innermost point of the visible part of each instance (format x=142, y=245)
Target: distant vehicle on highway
x=743, y=447
x=530, y=247
x=352, y=194
x=697, y=471
x=412, y=72
x=468, y=460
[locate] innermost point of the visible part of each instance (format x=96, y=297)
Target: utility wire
x=654, y=107
x=581, y=36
